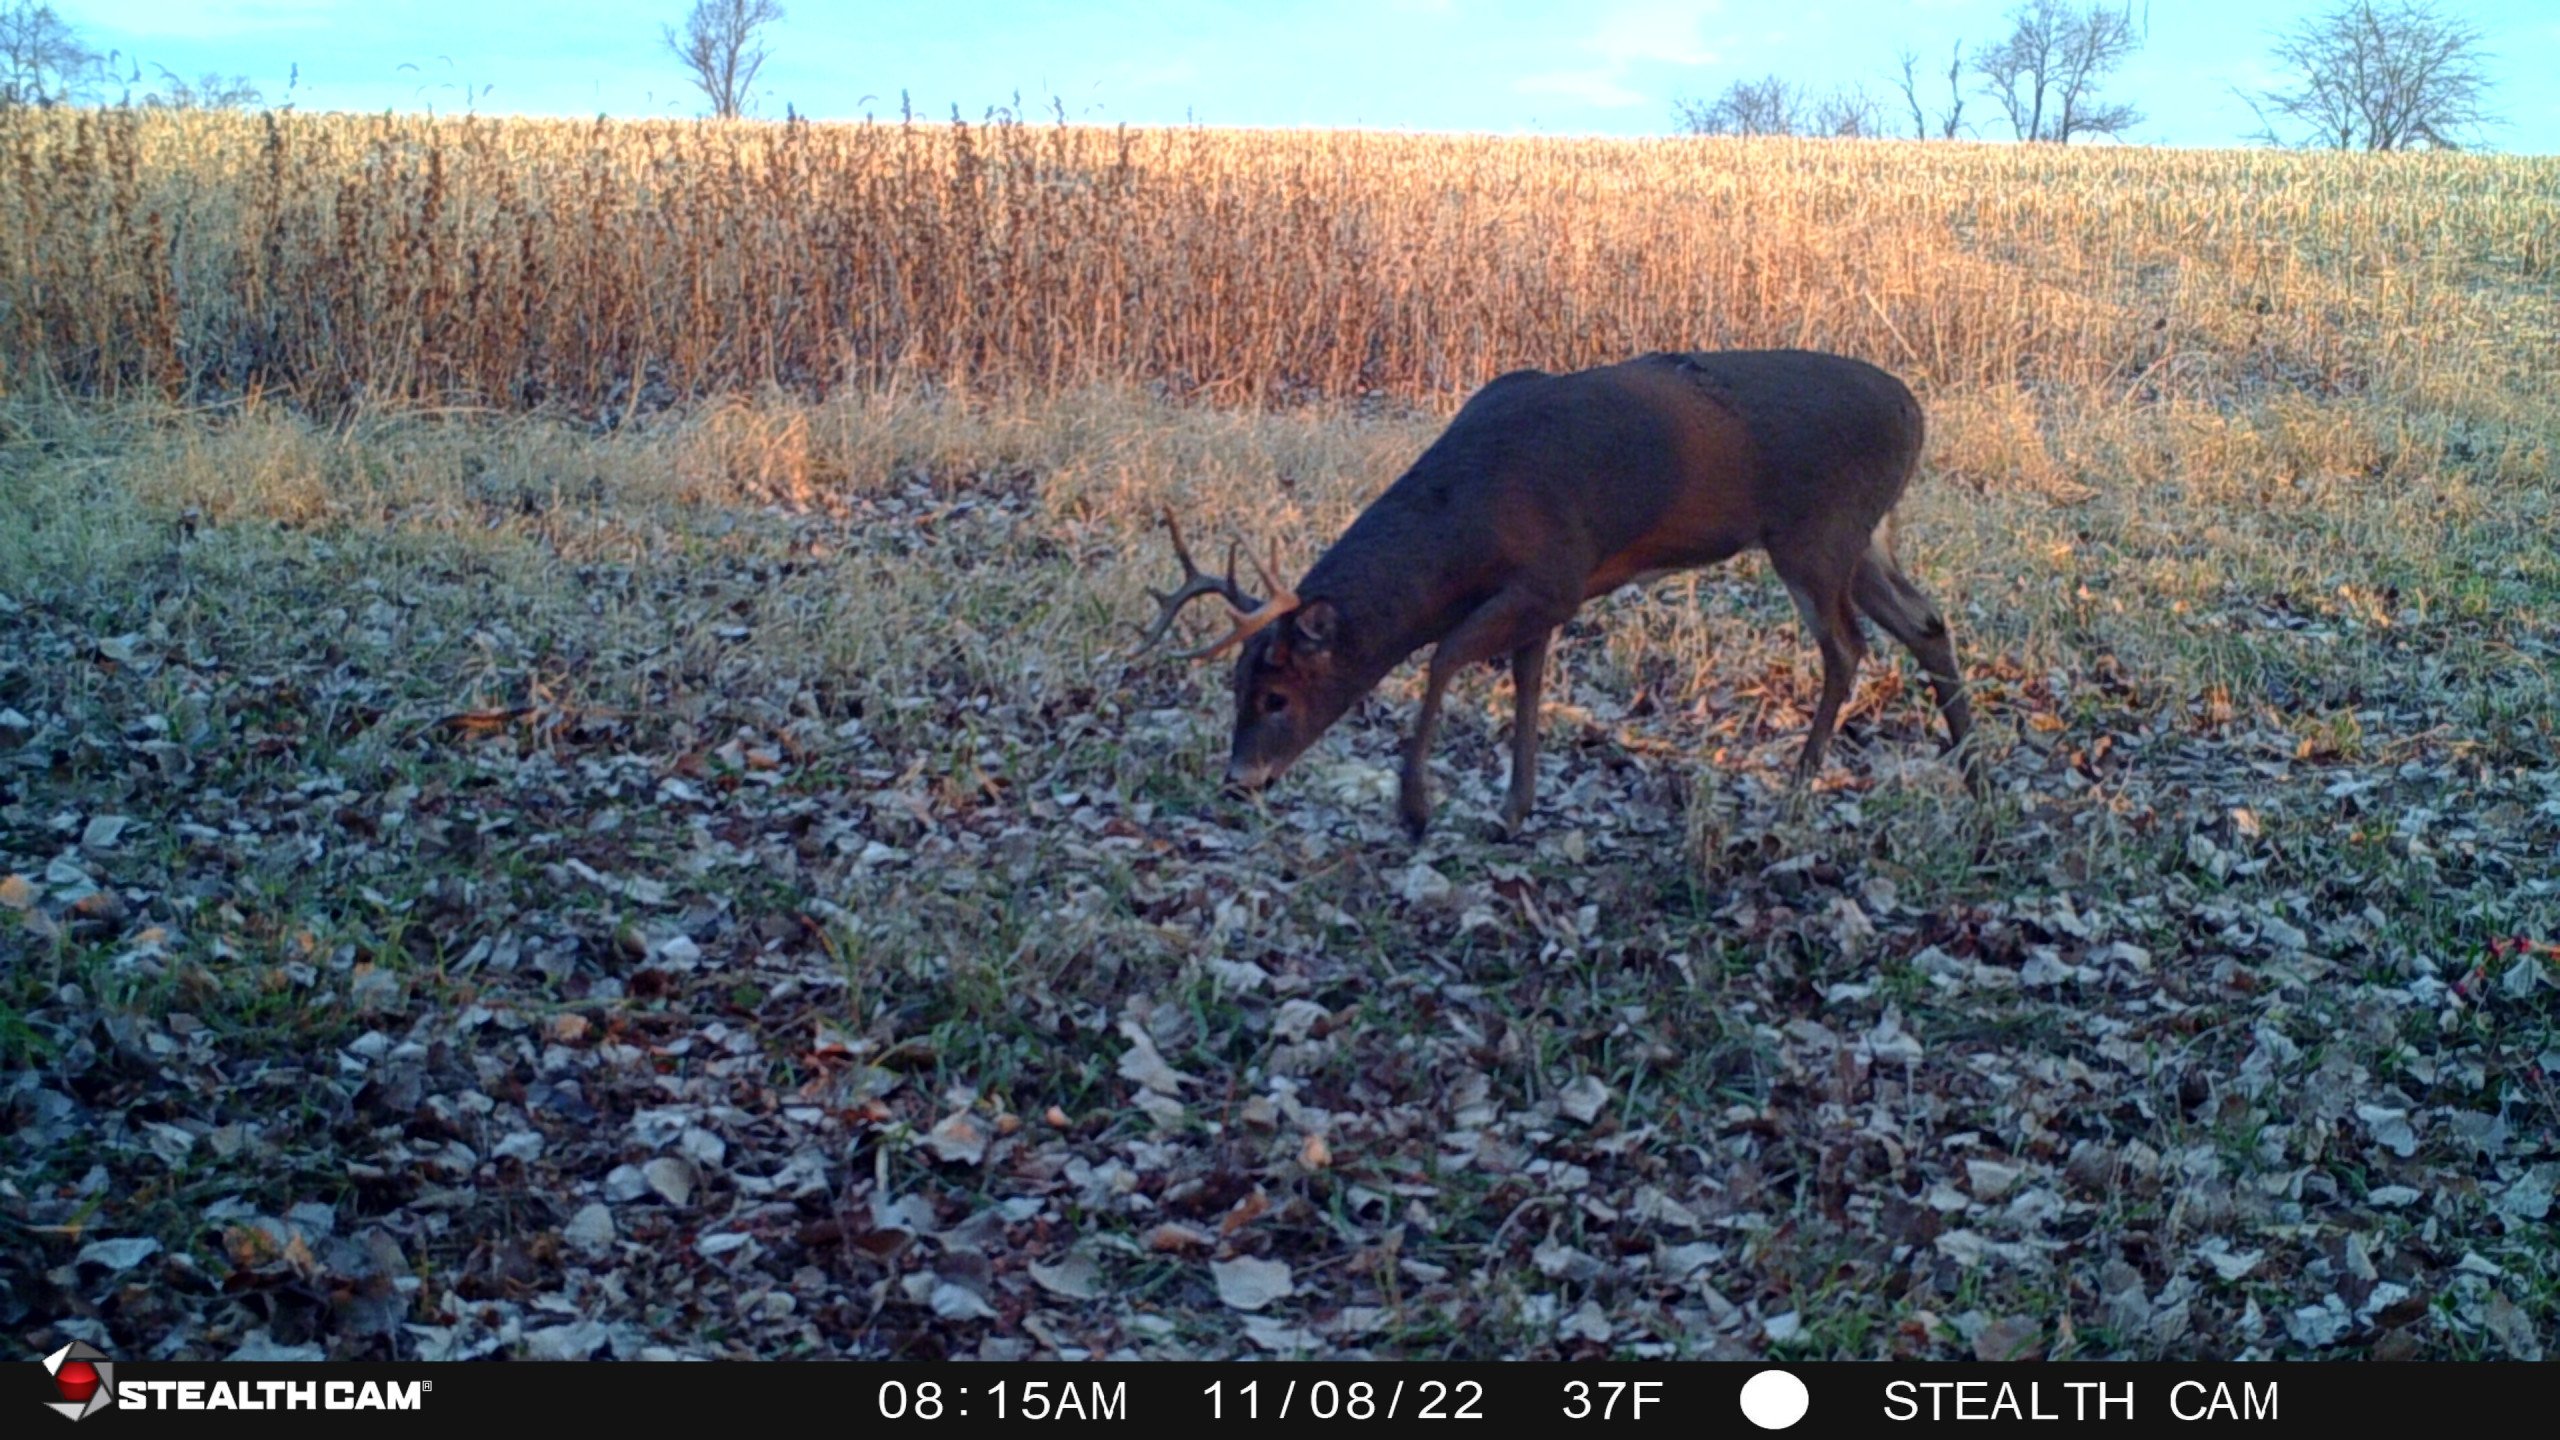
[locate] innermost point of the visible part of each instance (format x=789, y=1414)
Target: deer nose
x=1244, y=777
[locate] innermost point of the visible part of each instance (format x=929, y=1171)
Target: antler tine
x=1228, y=587
x=1181, y=551
x=1195, y=583
x=1250, y=614
x=1269, y=573
x=1191, y=570
x=1248, y=620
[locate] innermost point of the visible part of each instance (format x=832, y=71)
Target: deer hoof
x=1413, y=806
x=1976, y=770
x=1417, y=818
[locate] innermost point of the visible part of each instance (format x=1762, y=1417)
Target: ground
x=478, y=886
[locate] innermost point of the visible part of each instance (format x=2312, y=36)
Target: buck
x=1547, y=490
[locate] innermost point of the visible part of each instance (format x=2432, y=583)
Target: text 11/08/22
x=1414, y=1399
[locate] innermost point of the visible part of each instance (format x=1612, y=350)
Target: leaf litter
x=692, y=989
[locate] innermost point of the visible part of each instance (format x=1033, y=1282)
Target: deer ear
x=1315, y=625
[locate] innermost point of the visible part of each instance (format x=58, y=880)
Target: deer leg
x=1508, y=621
x=1528, y=683
x=1835, y=630
x=1892, y=601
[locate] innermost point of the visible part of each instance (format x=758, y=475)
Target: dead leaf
x=1244, y=1212
x=1991, y=1179
x=1075, y=1276
x=1584, y=1098
x=671, y=1177
x=958, y=1139
x=1141, y=1063
x=1249, y=1284
x=591, y=1231
x=1175, y=1238
x=2513, y=1328
x=2009, y=1338
x=121, y=1254
x=958, y=1302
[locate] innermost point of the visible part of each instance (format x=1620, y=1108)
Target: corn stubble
x=612, y=267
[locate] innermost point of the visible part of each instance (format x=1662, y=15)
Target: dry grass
x=618, y=267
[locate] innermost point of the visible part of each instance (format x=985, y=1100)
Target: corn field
x=608, y=268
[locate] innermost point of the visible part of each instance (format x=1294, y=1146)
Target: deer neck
x=1394, y=593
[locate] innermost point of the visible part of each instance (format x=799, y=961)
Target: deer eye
x=1274, y=702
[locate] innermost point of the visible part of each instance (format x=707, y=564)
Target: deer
x=1546, y=491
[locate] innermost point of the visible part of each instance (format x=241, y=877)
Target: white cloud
x=1599, y=87
x=1668, y=31
x=1630, y=33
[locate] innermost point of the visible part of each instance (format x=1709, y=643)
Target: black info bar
x=961, y=1397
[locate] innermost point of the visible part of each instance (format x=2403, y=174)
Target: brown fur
x=1547, y=490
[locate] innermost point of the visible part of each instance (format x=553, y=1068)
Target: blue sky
x=1607, y=67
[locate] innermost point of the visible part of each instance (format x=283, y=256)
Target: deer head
x=1288, y=674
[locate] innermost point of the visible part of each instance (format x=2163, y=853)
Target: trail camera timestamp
x=930, y=1400
x=1346, y=1400
x=1414, y=1399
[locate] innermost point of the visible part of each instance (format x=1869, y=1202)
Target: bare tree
x=1771, y=105
x=2045, y=76
x=1851, y=112
x=721, y=47
x=43, y=61
x=2392, y=76
x=209, y=91
x=1950, y=120
x=1766, y=106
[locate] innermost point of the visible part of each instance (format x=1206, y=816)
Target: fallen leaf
x=671, y=1177
x=1991, y=1179
x=2009, y=1338
x=958, y=1302
x=958, y=1139
x=1175, y=1238
x=2513, y=1328
x=1584, y=1098
x=121, y=1254
x=1244, y=1212
x=1249, y=1284
x=2390, y=1128
x=1142, y=1063
x=1075, y=1277
x=591, y=1230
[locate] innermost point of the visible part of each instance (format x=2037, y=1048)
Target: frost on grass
x=524, y=916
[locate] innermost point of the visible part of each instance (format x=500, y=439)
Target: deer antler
x=1250, y=614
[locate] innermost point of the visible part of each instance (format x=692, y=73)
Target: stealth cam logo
x=86, y=1378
